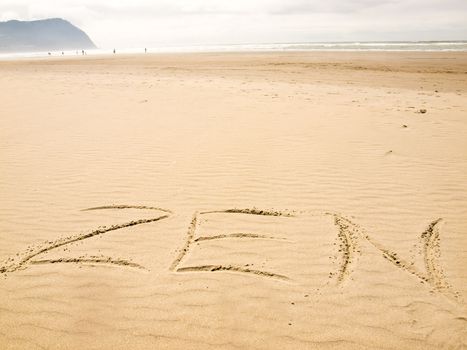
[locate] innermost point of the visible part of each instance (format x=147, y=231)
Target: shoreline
x=343, y=46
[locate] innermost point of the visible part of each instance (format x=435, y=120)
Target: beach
x=286, y=200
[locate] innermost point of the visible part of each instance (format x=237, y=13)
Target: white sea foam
x=429, y=46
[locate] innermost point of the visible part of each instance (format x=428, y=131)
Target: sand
x=234, y=201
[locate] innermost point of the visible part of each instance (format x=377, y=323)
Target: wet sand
x=234, y=201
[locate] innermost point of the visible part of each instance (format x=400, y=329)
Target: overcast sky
x=148, y=23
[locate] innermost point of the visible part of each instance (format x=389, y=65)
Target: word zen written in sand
x=350, y=235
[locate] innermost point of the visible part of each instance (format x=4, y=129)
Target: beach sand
x=236, y=201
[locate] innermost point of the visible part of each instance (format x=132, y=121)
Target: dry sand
x=238, y=201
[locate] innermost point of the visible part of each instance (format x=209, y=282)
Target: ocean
x=429, y=46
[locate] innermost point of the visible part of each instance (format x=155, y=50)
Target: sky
x=152, y=23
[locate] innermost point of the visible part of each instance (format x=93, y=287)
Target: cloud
x=330, y=6
x=161, y=22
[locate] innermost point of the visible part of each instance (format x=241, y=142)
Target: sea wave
x=429, y=46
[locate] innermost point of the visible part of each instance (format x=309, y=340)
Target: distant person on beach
x=145, y=50
x=114, y=51
x=82, y=51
